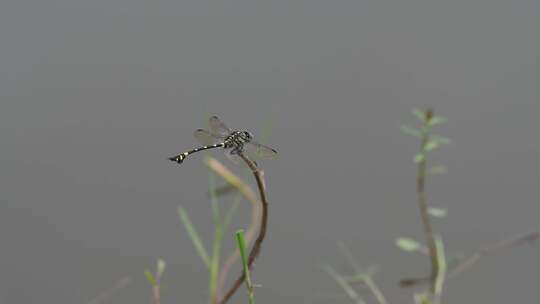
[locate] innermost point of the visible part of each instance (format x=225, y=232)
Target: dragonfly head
x=247, y=136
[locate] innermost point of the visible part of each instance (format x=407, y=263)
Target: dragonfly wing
x=263, y=151
x=237, y=159
x=233, y=156
x=217, y=127
x=205, y=137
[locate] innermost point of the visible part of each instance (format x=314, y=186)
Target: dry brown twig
x=244, y=189
x=255, y=250
x=467, y=263
x=520, y=239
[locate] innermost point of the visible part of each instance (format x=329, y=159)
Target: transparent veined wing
x=204, y=137
x=263, y=151
x=233, y=156
x=217, y=127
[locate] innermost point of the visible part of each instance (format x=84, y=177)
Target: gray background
x=96, y=94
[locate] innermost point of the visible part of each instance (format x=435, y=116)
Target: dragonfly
x=234, y=143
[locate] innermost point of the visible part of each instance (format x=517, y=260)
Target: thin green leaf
x=437, y=212
x=194, y=236
x=421, y=115
x=407, y=244
x=160, y=267
x=431, y=145
x=150, y=278
x=410, y=131
x=441, y=139
x=438, y=170
x=437, y=120
x=420, y=157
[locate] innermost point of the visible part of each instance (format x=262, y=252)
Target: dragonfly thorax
x=237, y=139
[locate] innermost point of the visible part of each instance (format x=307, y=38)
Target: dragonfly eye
x=247, y=135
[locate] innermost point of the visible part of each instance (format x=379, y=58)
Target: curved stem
x=422, y=200
x=256, y=249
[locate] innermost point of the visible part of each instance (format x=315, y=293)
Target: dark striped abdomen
x=181, y=157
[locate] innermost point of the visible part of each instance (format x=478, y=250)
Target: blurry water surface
x=94, y=95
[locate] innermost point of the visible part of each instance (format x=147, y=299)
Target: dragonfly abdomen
x=181, y=157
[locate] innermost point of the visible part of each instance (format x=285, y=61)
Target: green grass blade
x=214, y=262
x=243, y=255
x=350, y=258
x=218, y=238
x=342, y=282
x=194, y=236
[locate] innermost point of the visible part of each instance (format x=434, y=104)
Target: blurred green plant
x=155, y=280
x=428, y=143
x=440, y=266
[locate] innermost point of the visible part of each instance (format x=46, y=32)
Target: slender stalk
x=422, y=200
x=441, y=271
x=342, y=282
x=156, y=294
x=255, y=250
x=155, y=281
x=377, y=293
